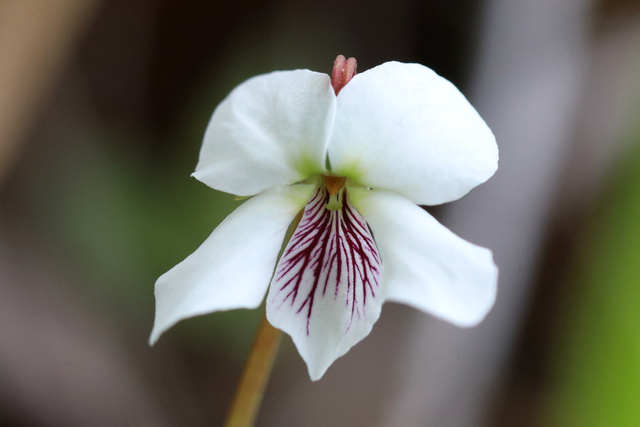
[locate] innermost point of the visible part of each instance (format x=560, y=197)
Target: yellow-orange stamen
x=333, y=183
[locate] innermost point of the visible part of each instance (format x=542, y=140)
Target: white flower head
x=355, y=160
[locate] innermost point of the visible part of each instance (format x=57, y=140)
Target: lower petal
x=232, y=268
x=325, y=292
x=426, y=265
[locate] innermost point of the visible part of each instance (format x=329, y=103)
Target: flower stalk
x=255, y=376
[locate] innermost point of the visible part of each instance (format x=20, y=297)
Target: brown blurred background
x=103, y=105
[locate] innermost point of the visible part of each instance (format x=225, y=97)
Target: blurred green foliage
x=596, y=372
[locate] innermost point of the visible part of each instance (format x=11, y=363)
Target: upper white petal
x=271, y=130
x=425, y=265
x=403, y=128
x=233, y=267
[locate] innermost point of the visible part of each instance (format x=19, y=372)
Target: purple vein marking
x=331, y=255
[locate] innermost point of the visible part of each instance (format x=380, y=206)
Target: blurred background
x=103, y=105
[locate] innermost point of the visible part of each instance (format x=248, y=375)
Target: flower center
x=335, y=187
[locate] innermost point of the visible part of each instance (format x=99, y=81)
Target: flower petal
x=325, y=292
x=232, y=268
x=401, y=127
x=271, y=130
x=425, y=265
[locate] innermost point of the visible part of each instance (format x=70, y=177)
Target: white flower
x=359, y=163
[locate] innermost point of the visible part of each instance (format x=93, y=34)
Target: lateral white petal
x=403, y=128
x=233, y=267
x=325, y=292
x=271, y=130
x=425, y=265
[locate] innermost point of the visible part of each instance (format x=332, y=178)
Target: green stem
x=255, y=376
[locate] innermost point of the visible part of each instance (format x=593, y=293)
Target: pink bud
x=343, y=72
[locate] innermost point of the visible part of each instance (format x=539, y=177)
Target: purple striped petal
x=325, y=292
